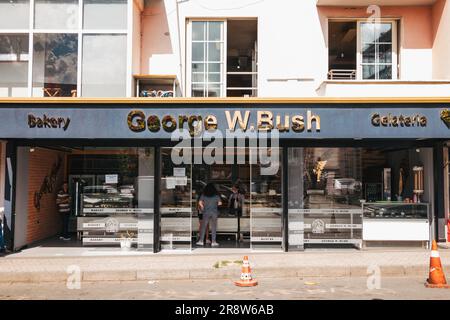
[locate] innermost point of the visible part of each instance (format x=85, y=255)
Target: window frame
x=359, y=58
x=31, y=31
x=222, y=62
x=395, y=46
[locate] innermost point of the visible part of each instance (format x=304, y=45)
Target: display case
x=108, y=216
x=332, y=226
x=396, y=221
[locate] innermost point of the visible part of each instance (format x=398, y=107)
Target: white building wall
x=292, y=46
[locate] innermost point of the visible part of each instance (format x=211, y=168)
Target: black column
x=285, y=195
x=157, y=202
x=10, y=194
x=439, y=205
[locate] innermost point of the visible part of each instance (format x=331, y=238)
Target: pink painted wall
x=155, y=34
x=441, y=40
x=416, y=22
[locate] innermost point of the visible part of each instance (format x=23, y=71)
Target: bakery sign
x=48, y=122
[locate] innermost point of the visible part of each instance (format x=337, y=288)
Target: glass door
x=176, y=203
x=266, y=207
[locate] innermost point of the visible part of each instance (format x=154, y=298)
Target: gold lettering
x=265, y=122
x=310, y=118
x=282, y=127
x=139, y=124
x=210, y=123
x=298, y=123
x=237, y=117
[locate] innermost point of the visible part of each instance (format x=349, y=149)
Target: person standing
x=63, y=202
x=235, y=205
x=210, y=201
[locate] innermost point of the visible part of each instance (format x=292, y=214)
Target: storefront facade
x=313, y=173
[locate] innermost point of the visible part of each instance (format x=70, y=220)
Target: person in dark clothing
x=210, y=202
x=235, y=207
x=63, y=202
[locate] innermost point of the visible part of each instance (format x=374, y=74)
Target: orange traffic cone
x=246, y=276
x=436, y=279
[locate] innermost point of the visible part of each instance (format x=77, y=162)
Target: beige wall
x=441, y=39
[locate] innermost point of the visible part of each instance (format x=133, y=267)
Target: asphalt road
x=285, y=289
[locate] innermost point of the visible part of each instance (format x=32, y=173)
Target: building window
x=207, y=58
x=360, y=50
x=376, y=50
x=41, y=58
x=105, y=14
x=13, y=65
x=56, y=14
x=104, y=65
x=222, y=58
x=14, y=14
x=55, y=59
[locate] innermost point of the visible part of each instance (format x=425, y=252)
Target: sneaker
x=208, y=241
x=67, y=239
x=61, y=238
x=214, y=244
x=199, y=243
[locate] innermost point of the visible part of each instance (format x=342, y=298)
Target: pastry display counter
x=396, y=221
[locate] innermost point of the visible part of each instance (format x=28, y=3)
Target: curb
x=211, y=273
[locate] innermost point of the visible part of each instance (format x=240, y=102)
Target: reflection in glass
x=385, y=71
x=215, y=31
x=207, y=58
x=376, y=50
x=368, y=53
x=56, y=14
x=198, y=90
x=14, y=14
x=368, y=71
x=112, y=190
x=266, y=202
x=198, y=30
x=55, y=65
x=105, y=14
x=214, y=51
x=104, y=65
x=385, y=53
x=13, y=65
x=198, y=51
x=176, y=203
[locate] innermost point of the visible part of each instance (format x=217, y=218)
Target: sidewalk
x=209, y=264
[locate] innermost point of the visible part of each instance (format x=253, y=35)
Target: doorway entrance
x=258, y=226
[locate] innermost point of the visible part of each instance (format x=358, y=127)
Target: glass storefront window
x=113, y=195
x=266, y=201
x=329, y=187
x=105, y=14
x=104, y=66
x=55, y=65
x=13, y=65
x=14, y=14
x=176, y=203
x=56, y=14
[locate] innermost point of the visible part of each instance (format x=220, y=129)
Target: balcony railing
x=342, y=74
